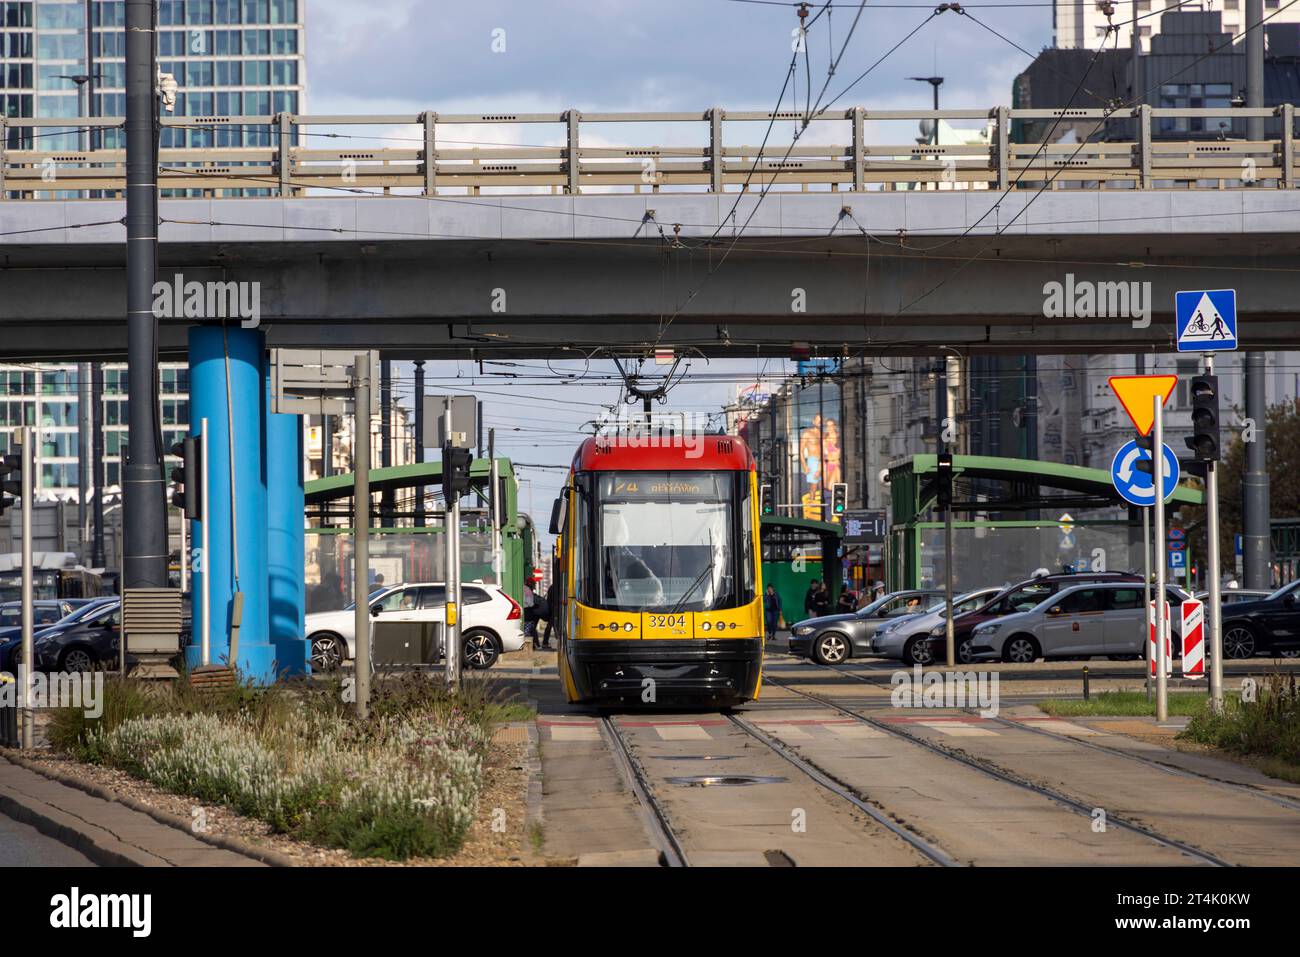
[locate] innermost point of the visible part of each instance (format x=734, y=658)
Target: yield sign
x=1136, y=393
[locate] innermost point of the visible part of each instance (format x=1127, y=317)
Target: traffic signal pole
x=1214, y=618
x=451, y=580
x=28, y=716
x=1161, y=546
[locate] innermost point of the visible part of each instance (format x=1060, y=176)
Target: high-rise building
x=48, y=396
x=229, y=58
x=1080, y=24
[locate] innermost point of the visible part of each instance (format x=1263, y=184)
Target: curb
x=68, y=834
x=234, y=845
x=533, y=801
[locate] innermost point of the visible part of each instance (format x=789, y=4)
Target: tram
x=658, y=573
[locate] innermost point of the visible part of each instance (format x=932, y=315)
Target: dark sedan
x=1269, y=626
x=81, y=642
x=832, y=639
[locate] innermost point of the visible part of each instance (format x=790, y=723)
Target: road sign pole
x=1162, y=548
x=1214, y=616
x=948, y=626
x=361, y=530
x=28, y=716
x=1146, y=587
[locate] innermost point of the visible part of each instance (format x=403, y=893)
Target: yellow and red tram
x=658, y=573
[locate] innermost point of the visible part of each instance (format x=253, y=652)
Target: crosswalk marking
x=785, y=729
x=958, y=729
x=682, y=732
x=574, y=732
x=854, y=731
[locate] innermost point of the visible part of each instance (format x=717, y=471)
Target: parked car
x=47, y=615
x=45, y=611
x=1015, y=598
x=1270, y=625
x=84, y=644
x=491, y=622
x=1098, y=618
x=908, y=638
x=832, y=639
x=1232, y=596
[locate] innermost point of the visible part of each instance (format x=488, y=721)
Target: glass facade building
x=48, y=396
x=229, y=58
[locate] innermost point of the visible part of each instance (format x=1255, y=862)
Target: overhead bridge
x=431, y=243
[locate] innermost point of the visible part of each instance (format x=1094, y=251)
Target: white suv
x=491, y=622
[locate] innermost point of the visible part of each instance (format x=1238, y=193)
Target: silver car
x=905, y=638
x=1077, y=622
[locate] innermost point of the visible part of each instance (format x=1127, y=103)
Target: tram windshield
x=665, y=540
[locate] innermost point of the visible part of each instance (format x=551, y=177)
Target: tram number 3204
x=667, y=621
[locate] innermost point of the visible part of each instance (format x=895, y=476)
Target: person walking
x=546, y=611
x=771, y=611
x=821, y=601
x=810, y=598
x=847, y=602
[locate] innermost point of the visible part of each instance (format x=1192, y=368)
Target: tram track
x=844, y=792
x=1097, y=746
x=1001, y=774
x=654, y=816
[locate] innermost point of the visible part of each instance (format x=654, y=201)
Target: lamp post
x=935, y=82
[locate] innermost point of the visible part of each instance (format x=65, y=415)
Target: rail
x=431, y=153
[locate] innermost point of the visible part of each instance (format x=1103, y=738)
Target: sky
x=408, y=56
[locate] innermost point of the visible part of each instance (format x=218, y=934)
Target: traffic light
x=839, y=499
x=1204, y=440
x=766, y=504
x=455, y=471
x=10, y=465
x=1148, y=444
x=945, y=481
x=188, y=476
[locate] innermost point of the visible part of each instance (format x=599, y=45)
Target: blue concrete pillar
x=211, y=392
x=286, y=544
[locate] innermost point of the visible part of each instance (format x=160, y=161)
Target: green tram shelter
x=405, y=551
x=796, y=552
x=1060, y=530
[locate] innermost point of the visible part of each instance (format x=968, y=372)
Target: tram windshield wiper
x=699, y=580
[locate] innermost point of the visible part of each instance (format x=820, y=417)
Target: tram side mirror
x=557, y=516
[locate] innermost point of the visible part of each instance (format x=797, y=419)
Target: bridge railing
x=483, y=154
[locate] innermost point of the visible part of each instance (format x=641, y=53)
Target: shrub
x=1267, y=727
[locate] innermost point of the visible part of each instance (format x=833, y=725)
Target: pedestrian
x=847, y=602
x=880, y=589
x=771, y=611
x=530, y=614
x=810, y=598
x=551, y=612
x=821, y=602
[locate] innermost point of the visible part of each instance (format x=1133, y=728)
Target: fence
x=267, y=153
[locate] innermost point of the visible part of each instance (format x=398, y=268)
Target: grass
x=404, y=783
x=1125, y=704
x=1266, y=730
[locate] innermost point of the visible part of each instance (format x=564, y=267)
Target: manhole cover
x=724, y=780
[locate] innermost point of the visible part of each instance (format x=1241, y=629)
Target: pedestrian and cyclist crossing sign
x=1206, y=320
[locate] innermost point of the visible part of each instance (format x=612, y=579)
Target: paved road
x=21, y=845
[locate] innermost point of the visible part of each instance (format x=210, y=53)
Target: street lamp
x=935, y=82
